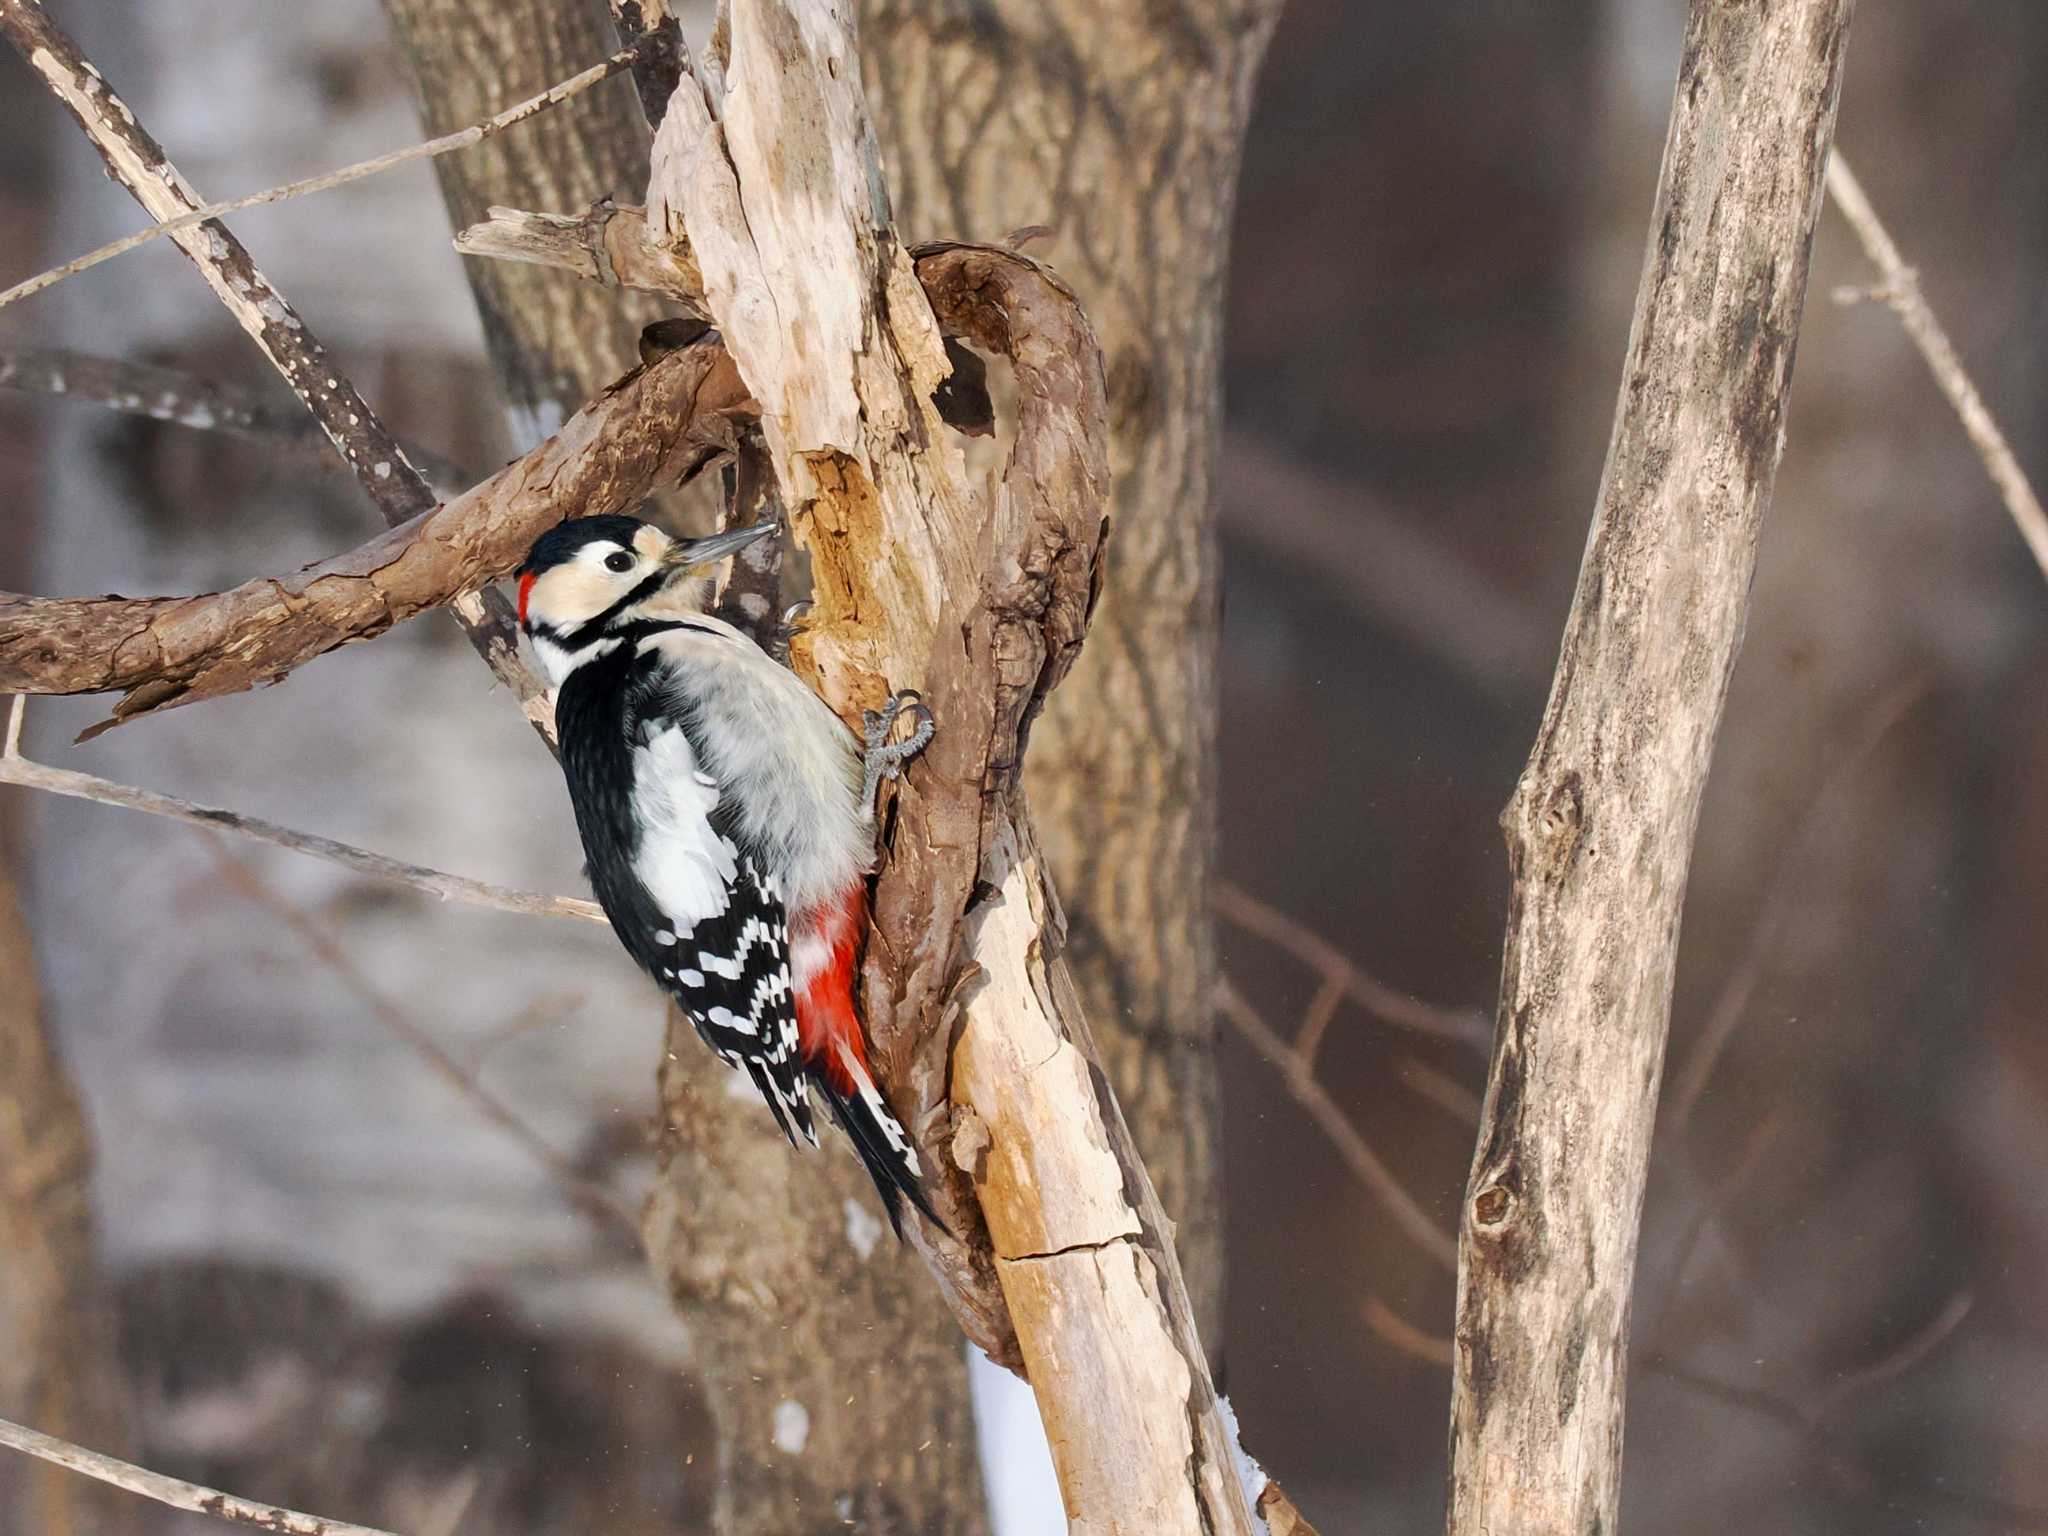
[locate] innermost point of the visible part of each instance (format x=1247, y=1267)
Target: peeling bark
x=1601, y=824
x=1117, y=127
x=771, y=172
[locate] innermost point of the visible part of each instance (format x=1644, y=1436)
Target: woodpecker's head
x=584, y=581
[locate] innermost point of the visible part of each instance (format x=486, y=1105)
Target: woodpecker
x=726, y=816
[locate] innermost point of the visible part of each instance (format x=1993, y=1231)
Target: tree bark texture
x=55, y=1370
x=772, y=175
x=988, y=1051
x=553, y=343
x=833, y=1374
x=1601, y=824
x=794, y=1306
x=1119, y=127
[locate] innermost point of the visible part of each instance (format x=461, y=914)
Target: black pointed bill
x=694, y=553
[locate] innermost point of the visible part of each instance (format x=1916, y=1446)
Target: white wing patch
x=685, y=865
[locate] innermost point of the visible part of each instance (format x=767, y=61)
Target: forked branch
x=657, y=427
x=138, y=162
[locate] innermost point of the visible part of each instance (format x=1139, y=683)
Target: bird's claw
x=885, y=758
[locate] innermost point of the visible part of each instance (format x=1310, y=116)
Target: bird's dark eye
x=618, y=560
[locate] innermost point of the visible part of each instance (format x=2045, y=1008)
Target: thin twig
x=1433, y=1349
x=1316, y=1102
x=1805, y=1414
x=1901, y=292
x=476, y=133
x=1441, y=1089
x=1732, y=1003
x=1238, y=906
x=1996, y=1513
x=138, y=162
x=174, y=1491
x=586, y=1195
x=1707, y=1207
x=15, y=769
x=191, y=400
x=1917, y=1346
x=656, y=427
x=1315, y=1022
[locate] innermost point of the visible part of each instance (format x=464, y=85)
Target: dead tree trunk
x=1600, y=827
x=1119, y=128
x=838, y=1389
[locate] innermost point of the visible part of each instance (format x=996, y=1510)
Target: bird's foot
x=885, y=758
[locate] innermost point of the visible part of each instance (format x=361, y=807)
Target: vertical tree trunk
x=835, y=1378
x=835, y=1375
x=55, y=1370
x=1600, y=827
x=1118, y=126
x=554, y=342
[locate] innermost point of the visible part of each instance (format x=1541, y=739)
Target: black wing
x=628, y=747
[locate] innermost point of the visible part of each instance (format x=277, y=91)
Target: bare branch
x=1600, y=827
x=769, y=166
x=1731, y=1004
x=1322, y=1111
x=1895, y=1362
x=1394, y=1329
x=590, y=1198
x=175, y=1491
x=1901, y=291
x=16, y=769
x=555, y=95
x=1996, y=1514
x=1338, y=539
x=658, y=426
x=189, y=400
x=138, y=163
x=610, y=246
x=1236, y=905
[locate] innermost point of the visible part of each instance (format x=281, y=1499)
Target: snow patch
x=1250, y=1475
x=792, y=1427
x=862, y=1229
x=1016, y=1463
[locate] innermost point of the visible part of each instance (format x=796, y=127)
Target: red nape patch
x=525, y=591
